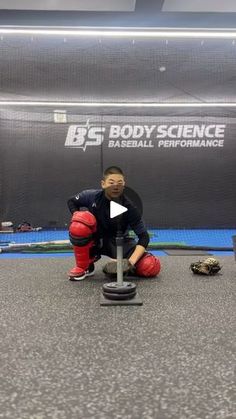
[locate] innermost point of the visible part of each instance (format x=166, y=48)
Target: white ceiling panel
x=211, y=6
x=75, y=5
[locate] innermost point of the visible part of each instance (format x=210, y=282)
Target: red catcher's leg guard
x=81, y=231
x=148, y=266
x=82, y=256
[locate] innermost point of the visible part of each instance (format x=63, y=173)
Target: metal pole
x=119, y=256
x=119, y=252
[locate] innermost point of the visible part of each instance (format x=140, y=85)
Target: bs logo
x=81, y=136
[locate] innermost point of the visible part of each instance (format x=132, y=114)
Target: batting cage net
x=180, y=161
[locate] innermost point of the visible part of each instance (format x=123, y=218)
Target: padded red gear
x=86, y=218
x=148, y=266
x=79, y=230
x=83, y=225
x=82, y=256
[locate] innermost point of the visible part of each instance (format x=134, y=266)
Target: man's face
x=113, y=185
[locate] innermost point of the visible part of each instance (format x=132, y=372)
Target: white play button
x=116, y=209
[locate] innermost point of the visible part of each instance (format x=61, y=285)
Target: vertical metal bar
x=119, y=256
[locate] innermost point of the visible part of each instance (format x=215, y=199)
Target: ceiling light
x=119, y=104
x=121, y=32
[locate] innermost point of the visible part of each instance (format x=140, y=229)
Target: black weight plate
x=113, y=287
x=113, y=296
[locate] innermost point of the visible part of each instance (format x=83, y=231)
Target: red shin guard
x=82, y=256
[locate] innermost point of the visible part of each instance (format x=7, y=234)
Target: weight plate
x=114, y=296
x=113, y=287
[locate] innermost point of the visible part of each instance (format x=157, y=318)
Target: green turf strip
x=62, y=248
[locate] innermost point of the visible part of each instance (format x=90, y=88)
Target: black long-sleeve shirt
x=95, y=201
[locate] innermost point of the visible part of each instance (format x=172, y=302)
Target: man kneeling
x=93, y=233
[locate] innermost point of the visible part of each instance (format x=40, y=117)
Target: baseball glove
x=110, y=268
x=209, y=266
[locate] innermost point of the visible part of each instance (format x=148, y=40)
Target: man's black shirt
x=95, y=201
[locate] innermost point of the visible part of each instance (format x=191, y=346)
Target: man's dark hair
x=112, y=170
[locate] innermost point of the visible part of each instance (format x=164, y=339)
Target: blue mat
x=215, y=238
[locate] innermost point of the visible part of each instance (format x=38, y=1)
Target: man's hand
x=110, y=268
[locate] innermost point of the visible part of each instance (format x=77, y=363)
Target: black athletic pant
x=107, y=246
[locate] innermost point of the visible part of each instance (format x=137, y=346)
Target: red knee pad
x=86, y=218
x=83, y=225
x=148, y=266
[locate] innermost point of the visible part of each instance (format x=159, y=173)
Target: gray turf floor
x=64, y=356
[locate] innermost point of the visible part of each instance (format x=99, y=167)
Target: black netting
x=184, y=172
